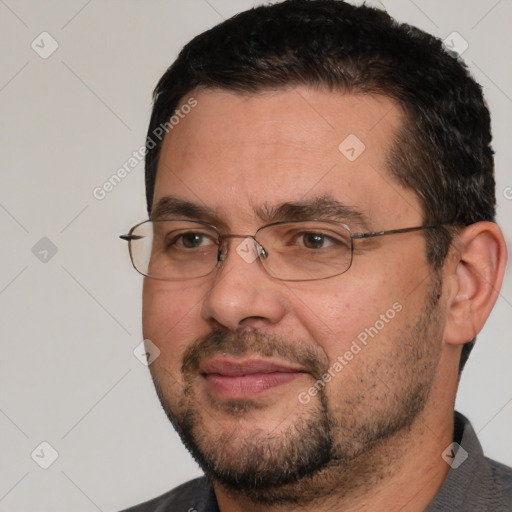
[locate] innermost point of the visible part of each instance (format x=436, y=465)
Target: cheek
x=352, y=308
x=171, y=317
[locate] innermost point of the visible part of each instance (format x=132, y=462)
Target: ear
x=473, y=273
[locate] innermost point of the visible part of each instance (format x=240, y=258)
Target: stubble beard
x=325, y=447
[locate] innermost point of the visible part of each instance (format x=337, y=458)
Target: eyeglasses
x=304, y=250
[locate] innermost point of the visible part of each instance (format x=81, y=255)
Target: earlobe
x=475, y=278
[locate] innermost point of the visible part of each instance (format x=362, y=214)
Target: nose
x=242, y=294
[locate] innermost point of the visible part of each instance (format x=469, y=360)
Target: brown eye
x=313, y=240
x=191, y=240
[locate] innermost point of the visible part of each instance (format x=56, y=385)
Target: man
x=321, y=254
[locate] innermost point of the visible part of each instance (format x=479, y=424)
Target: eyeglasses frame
x=222, y=253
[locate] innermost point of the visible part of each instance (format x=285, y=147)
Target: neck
x=404, y=472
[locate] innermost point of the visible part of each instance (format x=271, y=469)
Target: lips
x=236, y=368
x=243, y=378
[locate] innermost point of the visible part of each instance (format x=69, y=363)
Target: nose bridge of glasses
x=249, y=249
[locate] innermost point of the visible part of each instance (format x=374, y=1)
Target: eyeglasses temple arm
x=391, y=232
x=129, y=238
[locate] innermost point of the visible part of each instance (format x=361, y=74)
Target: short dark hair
x=442, y=151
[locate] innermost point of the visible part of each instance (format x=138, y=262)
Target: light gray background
x=68, y=375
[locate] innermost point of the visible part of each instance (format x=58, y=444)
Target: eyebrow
x=324, y=207
x=173, y=206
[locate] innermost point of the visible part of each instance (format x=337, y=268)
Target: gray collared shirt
x=479, y=484
x=473, y=484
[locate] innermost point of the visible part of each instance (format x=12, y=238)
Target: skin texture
x=371, y=439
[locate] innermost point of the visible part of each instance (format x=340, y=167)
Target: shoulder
x=474, y=483
x=501, y=476
x=194, y=496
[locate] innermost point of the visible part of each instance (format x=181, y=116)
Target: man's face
x=266, y=380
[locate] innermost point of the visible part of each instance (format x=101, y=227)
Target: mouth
x=245, y=378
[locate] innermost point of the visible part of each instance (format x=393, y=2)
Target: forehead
x=239, y=153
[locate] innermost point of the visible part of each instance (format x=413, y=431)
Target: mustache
x=311, y=358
